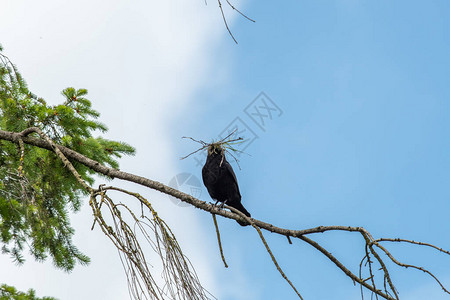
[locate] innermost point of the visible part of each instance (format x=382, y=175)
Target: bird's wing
x=207, y=182
x=230, y=169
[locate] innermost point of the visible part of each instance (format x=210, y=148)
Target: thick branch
x=115, y=173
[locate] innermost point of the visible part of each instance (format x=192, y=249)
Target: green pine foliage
x=38, y=193
x=11, y=293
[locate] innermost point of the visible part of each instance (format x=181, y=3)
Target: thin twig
x=369, y=262
x=198, y=141
x=411, y=266
x=360, y=276
x=267, y=247
x=369, y=239
x=228, y=136
x=184, y=157
x=225, y=21
x=343, y=268
x=289, y=239
x=240, y=12
x=413, y=242
x=218, y=240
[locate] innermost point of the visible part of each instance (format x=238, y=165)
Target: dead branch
x=181, y=281
x=219, y=241
x=261, y=236
x=225, y=19
x=372, y=246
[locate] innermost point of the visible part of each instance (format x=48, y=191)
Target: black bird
x=220, y=180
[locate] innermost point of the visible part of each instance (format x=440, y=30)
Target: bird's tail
x=242, y=209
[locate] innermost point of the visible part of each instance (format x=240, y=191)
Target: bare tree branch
x=219, y=241
x=274, y=260
x=413, y=242
x=225, y=19
x=371, y=244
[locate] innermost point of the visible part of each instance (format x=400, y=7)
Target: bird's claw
x=222, y=205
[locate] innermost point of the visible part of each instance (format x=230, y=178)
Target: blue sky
x=363, y=139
